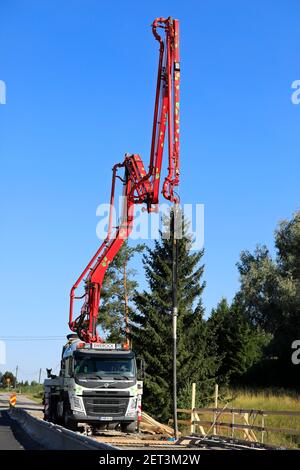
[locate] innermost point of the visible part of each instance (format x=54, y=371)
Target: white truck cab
x=97, y=385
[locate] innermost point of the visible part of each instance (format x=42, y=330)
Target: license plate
x=106, y=418
x=103, y=346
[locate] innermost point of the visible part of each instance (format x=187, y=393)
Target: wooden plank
x=139, y=442
x=183, y=421
x=249, y=433
x=148, y=423
x=279, y=413
x=215, y=417
x=239, y=411
x=253, y=427
x=193, y=406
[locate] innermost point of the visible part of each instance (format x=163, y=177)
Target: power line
x=26, y=372
x=32, y=338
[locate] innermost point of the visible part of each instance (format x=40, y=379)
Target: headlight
x=78, y=405
x=132, y=407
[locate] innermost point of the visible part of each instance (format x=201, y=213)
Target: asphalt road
x=11, y=436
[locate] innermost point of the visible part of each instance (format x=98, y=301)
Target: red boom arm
x=139, y=186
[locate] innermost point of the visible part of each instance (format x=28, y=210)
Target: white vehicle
x=97, y=385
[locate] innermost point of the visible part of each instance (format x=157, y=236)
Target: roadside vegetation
x=33, y=391
x=275, y=400
x=268, y=399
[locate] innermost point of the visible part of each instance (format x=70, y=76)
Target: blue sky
x=80, y=79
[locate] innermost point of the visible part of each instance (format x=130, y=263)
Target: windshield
x=105, y=366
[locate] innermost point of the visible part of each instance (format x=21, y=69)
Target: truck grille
x=105, y=406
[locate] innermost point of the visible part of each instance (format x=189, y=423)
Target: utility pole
x=126, y=300
x=40, y=373
x=16, y=376
x=174, y=313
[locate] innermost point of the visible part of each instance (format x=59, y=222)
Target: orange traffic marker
x=13, y=400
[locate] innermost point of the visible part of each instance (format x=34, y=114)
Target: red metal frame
x=139, y=186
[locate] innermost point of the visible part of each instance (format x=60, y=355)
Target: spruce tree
x=152, y=326
x=117, y=293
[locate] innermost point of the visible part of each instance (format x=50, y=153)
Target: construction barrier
x=13, y=399
x=54, y=437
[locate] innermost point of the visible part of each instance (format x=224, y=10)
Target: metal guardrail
x=54, y=437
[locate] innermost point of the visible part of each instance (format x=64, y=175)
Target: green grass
x=34, y=392
x=275, y=400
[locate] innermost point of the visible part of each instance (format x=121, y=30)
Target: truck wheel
x=50, y=413
x=98, y=428
x=69, y=423
x=129, y=427
x=111, y=426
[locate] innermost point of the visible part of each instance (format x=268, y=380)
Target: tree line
x=8, y=379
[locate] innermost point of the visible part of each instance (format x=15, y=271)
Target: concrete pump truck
x=97, y=384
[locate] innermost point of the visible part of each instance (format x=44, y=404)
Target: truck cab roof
x=76, y=345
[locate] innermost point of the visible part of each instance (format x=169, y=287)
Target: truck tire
x=69, y=423
x=50, y=414
x=111, y=426
x=68, y=420
x=129, y=427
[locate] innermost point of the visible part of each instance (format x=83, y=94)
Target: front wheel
x=69, y=423
x=129, y=427
x=50, y=410
x=68, y=420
